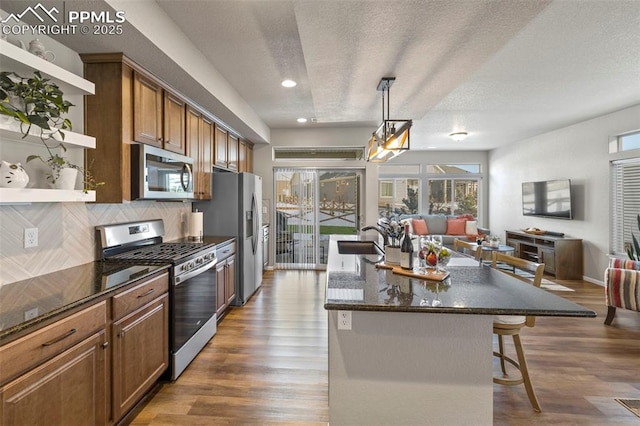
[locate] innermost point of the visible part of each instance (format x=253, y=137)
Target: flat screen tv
x=551, y=198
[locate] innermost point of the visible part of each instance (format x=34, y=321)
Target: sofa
x=621, y=286
x=450, y=227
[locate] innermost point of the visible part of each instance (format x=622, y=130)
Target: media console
x=561, y=256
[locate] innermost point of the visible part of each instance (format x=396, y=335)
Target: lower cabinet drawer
x=133, y=298
x=37, y=347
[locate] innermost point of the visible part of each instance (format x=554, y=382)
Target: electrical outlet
x=30, y=314
x=30, y=237
x=344, y=320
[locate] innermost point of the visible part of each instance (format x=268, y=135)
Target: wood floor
x=268, y=365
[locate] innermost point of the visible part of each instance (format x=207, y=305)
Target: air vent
x=311, y=153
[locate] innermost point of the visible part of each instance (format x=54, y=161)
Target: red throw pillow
x=467, y=216
x=419, y=227
x=456, y=226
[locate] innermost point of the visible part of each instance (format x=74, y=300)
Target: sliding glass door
x=312, y=204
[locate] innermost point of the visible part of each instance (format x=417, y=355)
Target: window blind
x=625, y=204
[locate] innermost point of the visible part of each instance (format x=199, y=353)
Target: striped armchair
x=622, y=286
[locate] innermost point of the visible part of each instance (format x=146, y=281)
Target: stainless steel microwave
x=158, y=174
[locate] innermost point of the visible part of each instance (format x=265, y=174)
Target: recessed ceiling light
x=458, y=136
x=288, y=83
x=302, y=120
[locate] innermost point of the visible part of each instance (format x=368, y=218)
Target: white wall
x=579, y=153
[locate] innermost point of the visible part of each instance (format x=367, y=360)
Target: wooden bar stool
x=473, y=248
x=510, y=325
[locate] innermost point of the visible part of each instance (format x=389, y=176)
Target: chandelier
x=392, y=136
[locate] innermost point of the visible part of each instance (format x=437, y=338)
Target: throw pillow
x=466, y=216
x=420, y=227
x=456, y=226
x=471, y=227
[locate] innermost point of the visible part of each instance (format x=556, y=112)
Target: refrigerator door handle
x=254, y=239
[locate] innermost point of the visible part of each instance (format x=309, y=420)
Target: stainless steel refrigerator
x=234, y=210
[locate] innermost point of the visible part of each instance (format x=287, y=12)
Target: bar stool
x=510, y=325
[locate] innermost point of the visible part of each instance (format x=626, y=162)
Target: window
x=626, y=142
x=386, y=189
x=398, y=196
x=451, y=189
x=453, y=196
x=625, y=191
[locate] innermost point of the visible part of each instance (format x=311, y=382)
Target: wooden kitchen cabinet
x=158, y=115
x=91, y=365
x=174, y=123
x=232, y=152
x=200, y=147
x=221, y=147
x=226, y=149
x=147, y=110
x=242, y=156
x=61, y=369
x=225, y=277
x=140, y=341
x=249, y=158
x=230, y=283
x=69, y=389
x=245, y=156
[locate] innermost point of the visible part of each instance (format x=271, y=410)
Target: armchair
x=622, y=286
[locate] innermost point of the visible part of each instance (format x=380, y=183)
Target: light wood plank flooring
x=268, y=365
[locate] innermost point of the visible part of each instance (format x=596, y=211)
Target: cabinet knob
x=105, y=345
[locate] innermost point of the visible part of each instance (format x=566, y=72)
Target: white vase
x=67, y=178
x=392, y=255
x=13, y=175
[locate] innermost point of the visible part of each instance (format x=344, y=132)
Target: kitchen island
x=413, y=351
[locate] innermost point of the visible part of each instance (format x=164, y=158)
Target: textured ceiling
x=501, y=70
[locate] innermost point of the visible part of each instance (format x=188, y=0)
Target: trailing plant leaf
x=44, y=107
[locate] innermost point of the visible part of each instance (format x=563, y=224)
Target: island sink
x=359, y=247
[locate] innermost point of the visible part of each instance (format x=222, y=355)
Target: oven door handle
x=181, y=278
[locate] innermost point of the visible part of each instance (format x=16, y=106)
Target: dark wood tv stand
x=561, y=256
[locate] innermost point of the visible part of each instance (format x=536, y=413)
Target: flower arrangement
x=392, y=229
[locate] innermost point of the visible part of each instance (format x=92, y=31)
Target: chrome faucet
x=380, y=230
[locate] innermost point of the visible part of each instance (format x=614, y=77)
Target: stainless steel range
x=192, y=293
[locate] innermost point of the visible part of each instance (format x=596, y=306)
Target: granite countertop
x=26, y=303
x=355, y=283
x=29, y=302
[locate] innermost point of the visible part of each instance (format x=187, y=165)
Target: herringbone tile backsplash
x=66, y=233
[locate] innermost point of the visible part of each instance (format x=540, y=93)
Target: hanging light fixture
x=392, y=136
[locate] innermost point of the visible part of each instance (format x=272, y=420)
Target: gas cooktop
x=159, y=253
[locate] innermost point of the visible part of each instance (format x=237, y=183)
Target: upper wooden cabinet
x=174, y=118
x=133, y=106
x=232, y=152
x=242, y=156
x=245, y=156
x=158, y=115
x=226, y=149
x=250, y=158
x=147, y=111
x=221, y=147
x=200, y=147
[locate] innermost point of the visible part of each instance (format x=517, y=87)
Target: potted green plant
x=633, y=250
x=37, y=101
